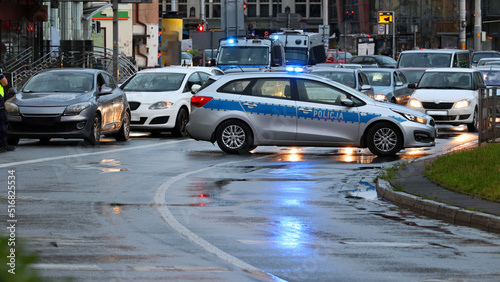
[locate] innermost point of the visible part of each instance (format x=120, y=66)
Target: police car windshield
x=242, y=55
x=155, y=82
x=73, y=82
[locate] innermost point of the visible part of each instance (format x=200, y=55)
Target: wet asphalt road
x=157, y=209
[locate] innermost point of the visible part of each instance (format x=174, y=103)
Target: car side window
x=204, y=77
x=364, y=78
x=192, y=80
x=314, y=91
x=109, y=81
x=402, y=77
x=235, y=86
x=356, y=60
x=272, y=87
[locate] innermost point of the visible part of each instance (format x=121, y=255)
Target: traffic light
x=200, y=28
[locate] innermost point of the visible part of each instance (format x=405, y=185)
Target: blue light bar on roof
x=297, y=69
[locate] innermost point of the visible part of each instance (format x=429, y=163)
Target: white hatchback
x=449, y=95
x=159, y=98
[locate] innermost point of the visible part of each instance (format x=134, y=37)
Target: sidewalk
x=422, y=195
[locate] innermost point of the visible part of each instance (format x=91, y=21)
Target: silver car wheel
x=233, y=136
x=385, y=139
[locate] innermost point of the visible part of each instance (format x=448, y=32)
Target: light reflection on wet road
x=299, y=214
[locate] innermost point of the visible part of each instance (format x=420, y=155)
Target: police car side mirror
x=347, y=102
x=399, y=83
x=195, y=88
x=366, y=87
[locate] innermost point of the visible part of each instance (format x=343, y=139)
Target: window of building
x=264, y=10
x=315, y=9
x=192, y=13
x=251, y=10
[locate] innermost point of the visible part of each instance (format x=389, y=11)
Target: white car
x=159, y=98
x=449, y=95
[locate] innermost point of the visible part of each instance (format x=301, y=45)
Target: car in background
x=413, y=75
x=434, y=58
x=491, y=75
x=353, y=78
x=379, y=61
x=337, y=57
x=186, y=59
x=477, y=55
x=488, y=62
x=159, y=98
x=68, y=103
x=389, y=85
x=449, y=95
x=246, y=110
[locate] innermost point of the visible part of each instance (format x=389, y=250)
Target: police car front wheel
x=384, y=139
x=234, y=137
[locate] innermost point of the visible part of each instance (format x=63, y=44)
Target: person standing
x=4, y=120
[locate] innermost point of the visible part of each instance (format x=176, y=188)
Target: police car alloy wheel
x=384, y=139
x=234, y=137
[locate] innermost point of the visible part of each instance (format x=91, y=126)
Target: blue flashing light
x=296, y=69
x=276, y=37
x=230, y=41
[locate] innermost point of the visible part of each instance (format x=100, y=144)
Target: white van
x=434, y=58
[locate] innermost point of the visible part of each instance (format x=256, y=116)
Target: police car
x=243, y=111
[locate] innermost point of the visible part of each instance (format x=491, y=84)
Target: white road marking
x=162, y=207
x=63, y=266
x=386, y=244
x=179, y=268
x=87, y=154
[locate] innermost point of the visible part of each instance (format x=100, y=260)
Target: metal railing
x=489, y=115
x=97, y=59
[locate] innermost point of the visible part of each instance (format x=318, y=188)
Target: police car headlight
x=413, y=118
x=414, y=103
x=76, y=109
x=162, y=105
x=462, y=104
x=12, y=109
x=379, y=97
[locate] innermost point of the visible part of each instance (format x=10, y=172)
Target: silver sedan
x=247, y=110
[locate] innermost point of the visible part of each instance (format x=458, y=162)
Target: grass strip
x=475, y=172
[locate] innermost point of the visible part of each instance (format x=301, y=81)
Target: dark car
x=68, y=103
x=478, y=55
x=380, y=61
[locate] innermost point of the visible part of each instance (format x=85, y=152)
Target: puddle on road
x=104, y=165
x=403, y=218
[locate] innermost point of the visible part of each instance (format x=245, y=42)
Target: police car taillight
x=200, y=101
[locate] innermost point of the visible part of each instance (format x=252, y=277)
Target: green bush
x=14, y=261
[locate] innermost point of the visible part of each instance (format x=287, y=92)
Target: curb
x=438, y=210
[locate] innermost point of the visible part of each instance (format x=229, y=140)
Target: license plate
x=135, y=118
x=437, y=113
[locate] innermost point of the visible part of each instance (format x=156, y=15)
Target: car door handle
x=250, y=104
x=305, y=110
